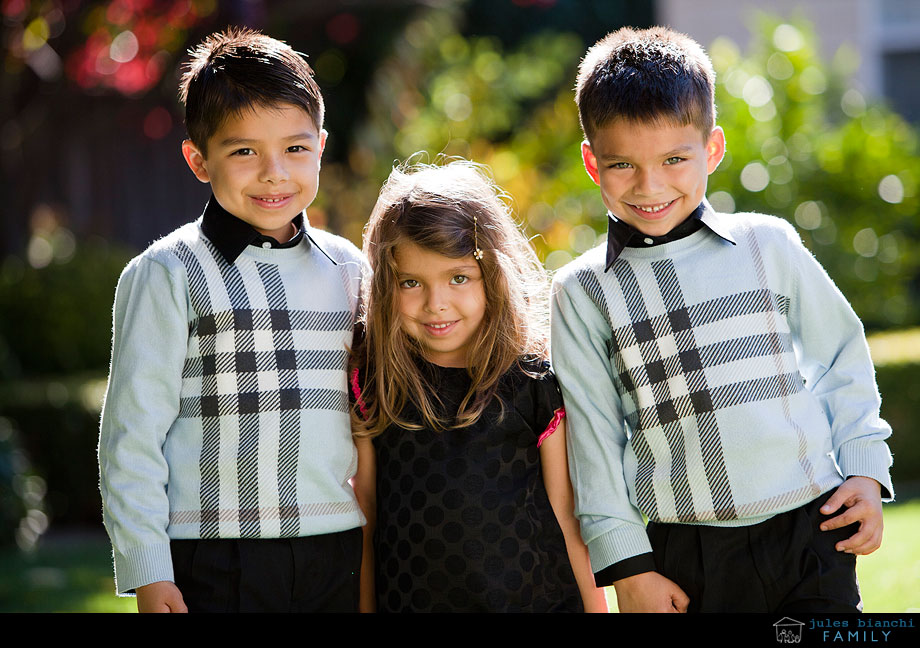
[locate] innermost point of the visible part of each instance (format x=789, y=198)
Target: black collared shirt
x=230, y=235
x=621, y=235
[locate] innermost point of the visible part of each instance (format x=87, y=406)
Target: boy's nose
x=648, y=183
x=273, y=170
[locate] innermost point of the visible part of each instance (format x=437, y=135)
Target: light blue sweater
x=710, y=383
x=226, y=414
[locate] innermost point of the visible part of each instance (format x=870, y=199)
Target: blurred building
x=884, y=33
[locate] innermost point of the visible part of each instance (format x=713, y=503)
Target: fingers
x=838, y=499
x=865, y=512
x=849, y=516
x=864, y=541
x=680, y=600
x=178, y=606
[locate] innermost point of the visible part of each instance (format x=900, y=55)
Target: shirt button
x=266, y=245
x=648, y=241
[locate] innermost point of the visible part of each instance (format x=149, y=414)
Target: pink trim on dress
x=356, y=390
x=557, y=419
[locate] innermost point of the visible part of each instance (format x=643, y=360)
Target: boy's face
x=652, y=176
x=263, y=166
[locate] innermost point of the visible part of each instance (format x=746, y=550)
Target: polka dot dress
x=464, y=523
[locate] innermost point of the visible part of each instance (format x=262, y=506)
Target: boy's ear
x=195, y=160
x=715, y=149
x=587, y=155
x=322, y=143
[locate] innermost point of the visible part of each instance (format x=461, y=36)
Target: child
x=716, y=380
x=225, y=448
x=470, y=487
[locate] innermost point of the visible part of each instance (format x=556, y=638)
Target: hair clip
x=477, y=254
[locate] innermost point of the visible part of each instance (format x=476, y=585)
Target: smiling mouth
x=439, y=326
x=653, y=209
x=272, y=200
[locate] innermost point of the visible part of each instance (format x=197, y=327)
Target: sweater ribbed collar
x=621, y=235
x=230, y=235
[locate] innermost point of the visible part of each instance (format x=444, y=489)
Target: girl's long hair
x=433, y=206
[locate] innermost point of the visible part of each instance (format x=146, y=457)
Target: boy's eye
x=243, y=151
x=619, y=165
x=408, y=283
x=674, y=160
x=297, y=148
x=459, y=279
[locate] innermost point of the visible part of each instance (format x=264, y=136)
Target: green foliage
x=896, y=356
x=888, y=578
x=899, y=386
x=57, y=317
x=56, y=305
x=58, y=425
x=802, y=145
x=65, y=574
x=22, y=492
x=442, y=93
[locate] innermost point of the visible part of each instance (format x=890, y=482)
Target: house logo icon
x=788, y=631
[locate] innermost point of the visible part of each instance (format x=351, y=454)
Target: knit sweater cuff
x=618, y=544
x=860, y=458
x=141, y=566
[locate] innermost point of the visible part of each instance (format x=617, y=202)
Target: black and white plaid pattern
x=664, y=351
x=253, y=355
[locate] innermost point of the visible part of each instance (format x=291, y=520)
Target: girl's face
x=442, y=302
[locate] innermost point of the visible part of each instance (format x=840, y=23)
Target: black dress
x=464, y=523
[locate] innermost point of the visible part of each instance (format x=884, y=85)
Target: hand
x=161, y=596
x=650, y=592
x=863, y=498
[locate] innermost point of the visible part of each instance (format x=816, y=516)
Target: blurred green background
x=89, y=137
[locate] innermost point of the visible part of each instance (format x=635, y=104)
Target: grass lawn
x=73, y=573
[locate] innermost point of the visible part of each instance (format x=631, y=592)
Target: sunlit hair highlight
x=433, y=207
x=237, y=70
x=652, y=75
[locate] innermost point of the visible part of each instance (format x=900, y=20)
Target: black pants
x=783, y=565
x=309, y=574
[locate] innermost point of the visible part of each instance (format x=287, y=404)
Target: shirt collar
x=621, y=235
x=230, y=235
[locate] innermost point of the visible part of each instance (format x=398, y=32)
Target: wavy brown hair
x=433, y=206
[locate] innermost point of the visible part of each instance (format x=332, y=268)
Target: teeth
x=272, y=200
x=438, y=326
x=652, y=210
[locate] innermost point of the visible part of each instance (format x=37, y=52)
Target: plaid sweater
x=226, y=414
x=710, y=383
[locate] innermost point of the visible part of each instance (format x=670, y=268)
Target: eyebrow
x=449, y=272
x=680, y=150
x=243, y=141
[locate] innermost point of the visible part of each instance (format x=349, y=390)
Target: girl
x=459, y=423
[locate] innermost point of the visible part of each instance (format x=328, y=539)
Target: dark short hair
x=238, y=69
x=646, y=75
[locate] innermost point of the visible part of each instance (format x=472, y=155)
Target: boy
x=715, y=379
x=225, y=447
